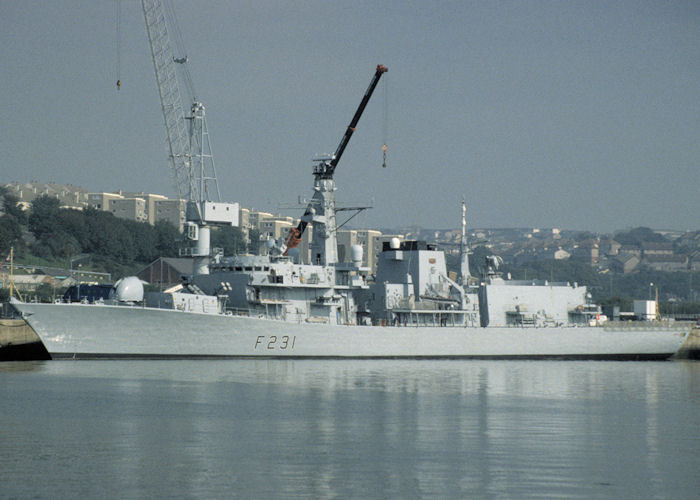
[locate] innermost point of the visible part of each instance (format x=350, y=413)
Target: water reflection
x=281, y=428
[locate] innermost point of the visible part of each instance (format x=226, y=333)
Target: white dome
x=394, y=243
x=129, y=289
x=356, y=253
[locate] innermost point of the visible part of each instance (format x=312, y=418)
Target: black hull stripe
x=561, y=357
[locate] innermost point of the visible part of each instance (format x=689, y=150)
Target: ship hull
x=93, y=331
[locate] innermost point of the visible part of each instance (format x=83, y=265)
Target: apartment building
x=69, y=196
x=150, y=199
x=129, y=208
x=101, y=201
x=140, y=207
x=376, y=245
x=368, y=239
x=172, y=211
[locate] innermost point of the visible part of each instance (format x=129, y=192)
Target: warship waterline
x=274, y=305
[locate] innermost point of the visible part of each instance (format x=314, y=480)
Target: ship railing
x=446, y=318
x=235, y=311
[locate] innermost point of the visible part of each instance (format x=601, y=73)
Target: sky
x=580, y=115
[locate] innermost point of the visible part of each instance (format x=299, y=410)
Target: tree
x=10, y=234
x=584, y=235
x=62, y=244
x=43, y=216
x=639, y=235
x=477, y=259
x=253, y=241
x=72, y=222
x=53, y=228
x=10, y=204
x=230, y=239
x=167, y=239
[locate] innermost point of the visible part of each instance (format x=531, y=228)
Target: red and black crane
x=326, y=169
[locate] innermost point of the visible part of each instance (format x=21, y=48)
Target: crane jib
x=355, y=119
x=327, y=170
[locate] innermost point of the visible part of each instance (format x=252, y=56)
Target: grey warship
x=274, y=305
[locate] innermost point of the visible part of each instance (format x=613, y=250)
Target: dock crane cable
x=385, y=121
x=181, y=57
x=118, y=44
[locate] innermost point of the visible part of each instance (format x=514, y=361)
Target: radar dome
x=356, y=253
x=129, y=289
x=394, y=243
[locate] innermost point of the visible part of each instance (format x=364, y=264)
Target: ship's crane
x=325, y=169
x=191, y=157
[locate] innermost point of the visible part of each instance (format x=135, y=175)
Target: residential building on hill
x=586, y=251
x=101, y=201
x=656, y=249
x=666, y=262
x=624, y=263
x=129, y=208
x=69, y=196
x=609, y=247
x=172, y=211
x=140, y=207
x=365, y=238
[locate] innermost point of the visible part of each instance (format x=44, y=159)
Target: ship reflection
x=365, y=428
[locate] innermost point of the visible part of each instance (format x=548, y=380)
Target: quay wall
x=691, y=347
x=18, y=342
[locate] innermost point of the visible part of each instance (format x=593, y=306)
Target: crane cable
x=118, y=48
x=181, y=58
x=385, y=122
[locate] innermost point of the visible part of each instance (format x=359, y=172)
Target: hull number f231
x=273, y=342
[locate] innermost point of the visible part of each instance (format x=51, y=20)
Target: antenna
x=464, y=274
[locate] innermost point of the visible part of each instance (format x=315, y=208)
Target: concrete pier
x=691, y=348
x=18, y=342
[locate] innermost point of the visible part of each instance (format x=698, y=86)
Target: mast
x=13, y=288
x=464, y=275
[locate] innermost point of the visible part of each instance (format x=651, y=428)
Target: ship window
x=239, y=268
x=248, y=268
x=258, y=268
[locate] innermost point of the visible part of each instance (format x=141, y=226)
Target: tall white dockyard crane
x=191, y=157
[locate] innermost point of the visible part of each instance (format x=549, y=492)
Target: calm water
x=349, y=429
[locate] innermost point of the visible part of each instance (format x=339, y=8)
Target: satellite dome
x=356, y=253
x=394, y=243
x=129, y=289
